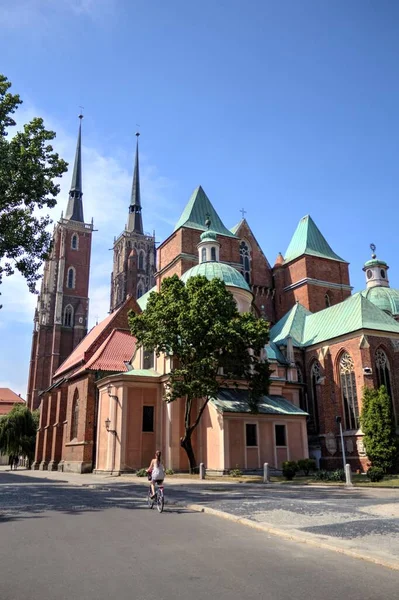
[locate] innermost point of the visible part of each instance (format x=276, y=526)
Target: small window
x=68, y=316
x=383, y=273
x=369, y=274
x=251, y=434
x=327, y=300
x=139, y=291
x=148, y=418
x=71, y=278
x=203, y=255
x=148, y=359
x=213, y=253
x=141, y=260
x=280, y=435
x=74, y=242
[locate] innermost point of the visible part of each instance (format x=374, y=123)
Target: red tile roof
x=117, y=349
x=78, y=355
x=7, y=395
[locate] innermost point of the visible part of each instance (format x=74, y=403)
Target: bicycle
x=159, y=499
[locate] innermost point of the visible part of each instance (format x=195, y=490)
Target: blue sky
x=285, y=108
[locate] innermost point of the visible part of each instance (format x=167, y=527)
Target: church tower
x=134, y=251
x=61, y=316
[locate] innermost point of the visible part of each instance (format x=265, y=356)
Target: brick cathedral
x=325, y=345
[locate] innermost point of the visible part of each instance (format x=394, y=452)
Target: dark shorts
x=158, y=481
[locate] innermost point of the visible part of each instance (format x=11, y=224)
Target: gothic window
x=327, y=300
x=68, y=316
x=75, y=242
x=139, y=291
x=203, y=255
x=315, y=376
x=245, y=258
x=348, y=391
x=119, y=260
x=213, y=253
x=141, y=260
x=383, y=370
x=71, y=277
x=75, y=416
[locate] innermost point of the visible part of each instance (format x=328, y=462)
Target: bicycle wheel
x=160, y=501
x=150, y=500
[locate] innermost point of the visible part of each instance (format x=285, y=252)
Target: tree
x=18, y=432
x=377, y=422
x=212, y=346
x=28, y=167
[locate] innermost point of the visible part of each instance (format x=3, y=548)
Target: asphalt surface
x=59, y=540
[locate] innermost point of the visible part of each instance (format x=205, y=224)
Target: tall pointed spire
x=74, y=211
x=135, y=222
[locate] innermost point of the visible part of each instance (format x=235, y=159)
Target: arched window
x=315, y=377
x=68, y=316
x=245, y=258
x=139, y=291
x=327, y=300
x=203, y=255
x=383, y=370
x=75, y=416
x=118, y=260
x=141, y=260
x=213, y=253
x=75, y=242
x=348, y=391
x=71, y=278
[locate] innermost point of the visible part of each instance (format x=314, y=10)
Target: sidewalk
x=360, y=522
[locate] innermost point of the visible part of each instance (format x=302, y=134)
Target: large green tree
x=28, y=170
x=18, y=432
x=377, y=422
x=212, y=346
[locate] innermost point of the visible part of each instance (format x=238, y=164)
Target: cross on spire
x=243, y=212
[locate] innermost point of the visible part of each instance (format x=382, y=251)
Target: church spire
x=74, y=211
x=135, y=222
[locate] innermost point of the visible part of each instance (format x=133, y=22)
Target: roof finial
x=208, y=220
x=373, y=248
x=243, y=212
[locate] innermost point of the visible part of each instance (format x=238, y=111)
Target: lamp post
x=339, y=421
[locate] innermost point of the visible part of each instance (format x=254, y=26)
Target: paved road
x=60, y=541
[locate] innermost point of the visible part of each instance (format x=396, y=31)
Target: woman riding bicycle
x=157, y=471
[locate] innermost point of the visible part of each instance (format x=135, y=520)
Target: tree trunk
x=185, y=442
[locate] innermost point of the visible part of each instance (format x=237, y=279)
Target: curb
x=294, y=537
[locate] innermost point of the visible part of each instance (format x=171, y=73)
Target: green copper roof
x=352, y=315
x=375, y=262
x=142, y=301
x=208, y=235
x=235, y=401
x=274, y=354
x=237, y=227
x=386, y=298
x=74, y=211
x=308, y=239
x=196, y=212
x=293, y=324
x=216, y=270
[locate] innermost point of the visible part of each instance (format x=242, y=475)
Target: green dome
x=208, y=235
x=386, y=298
x=375, y=262
x=216, y=270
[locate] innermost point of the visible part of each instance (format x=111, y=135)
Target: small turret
x=376, y=271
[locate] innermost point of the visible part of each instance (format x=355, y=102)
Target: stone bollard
x=348, y=475
x=202, y=471
x=266, y=473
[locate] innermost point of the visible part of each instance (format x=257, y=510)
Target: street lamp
x=339, y=421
